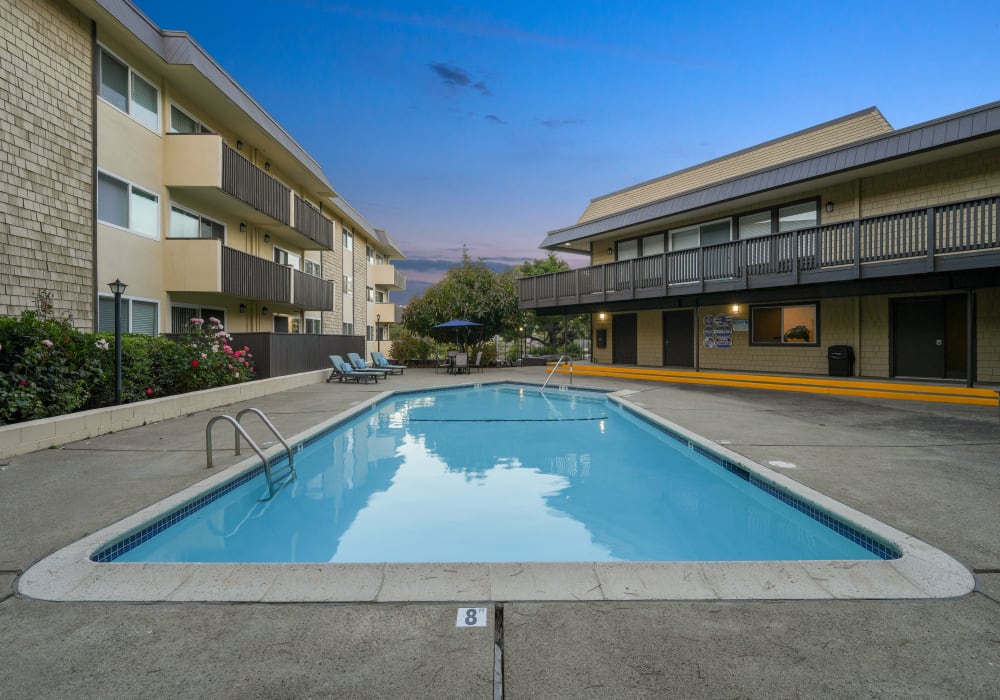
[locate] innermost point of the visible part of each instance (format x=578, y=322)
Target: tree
x=470, y=291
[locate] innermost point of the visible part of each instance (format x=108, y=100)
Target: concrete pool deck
x=927, y=469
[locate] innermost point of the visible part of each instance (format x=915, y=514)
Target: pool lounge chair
x=361, y=366
x=343, y=371
x=379, y=361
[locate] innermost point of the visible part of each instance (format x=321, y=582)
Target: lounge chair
x=343, y=371
x=478, y=364
x=360, y=365
x=380, y=362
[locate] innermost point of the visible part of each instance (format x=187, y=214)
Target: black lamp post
x=117, y=288
x=378, y=333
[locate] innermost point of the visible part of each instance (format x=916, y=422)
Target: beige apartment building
x=135, y=157
x=847, y=248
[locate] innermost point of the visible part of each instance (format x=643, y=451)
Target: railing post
x=795, y=257
x=931, y=238
x=701, y=269
x=576, y=284
x=857, y=248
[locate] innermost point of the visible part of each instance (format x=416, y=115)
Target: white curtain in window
x=652, y=245
x=181, y=123
x=755, y=225
x=145, y=212
x=797, y=216
x=714, y=233
x=183, y=224
x=145, y=107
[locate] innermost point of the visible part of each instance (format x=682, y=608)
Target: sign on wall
x=718, y=331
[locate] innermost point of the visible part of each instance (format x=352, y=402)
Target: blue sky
x=490, y=123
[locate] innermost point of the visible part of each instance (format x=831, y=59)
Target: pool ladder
x=569, y=363
x=276, y=478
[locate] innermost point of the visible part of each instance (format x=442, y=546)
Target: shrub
x=208, y=359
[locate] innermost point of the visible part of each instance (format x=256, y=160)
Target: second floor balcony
x=211, y=172
x=386, y=312
x=945, y=238
x=387, y=276
x=205, y=265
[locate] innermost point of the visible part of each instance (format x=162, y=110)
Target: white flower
x=101, y=344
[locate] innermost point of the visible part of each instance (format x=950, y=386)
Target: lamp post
x=117, y=288
x=378, y=333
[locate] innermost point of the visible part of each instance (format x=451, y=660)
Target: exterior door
x=624, y=339
x=929, y=337
x=678, y=338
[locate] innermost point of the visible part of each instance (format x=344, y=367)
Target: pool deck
x=930, y=470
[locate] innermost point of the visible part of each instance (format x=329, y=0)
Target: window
x=370, y=254
x=123, y=88
x=348, y=284
x=790, y=217
x=348, y=239
x=348, y=329
x=314, y=325
x=640, y=247
x=296, y=324
x=370, y=333
x=285, y=257
x=381, y=296
x=370, y=293
x=181, y=123
x=122, y=204
x=180, y=316
x=313, y=268
x=138, y=316
x=785, y=325
x=188, y=224
x=706, y=234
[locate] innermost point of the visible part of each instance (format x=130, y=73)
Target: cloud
x=457, y=77
x=556, y=123
x=494, y=118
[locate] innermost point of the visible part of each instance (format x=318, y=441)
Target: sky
x=488, y=124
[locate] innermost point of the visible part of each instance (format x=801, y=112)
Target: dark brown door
x=624, y=339
x=929, y=337
x=678, y=338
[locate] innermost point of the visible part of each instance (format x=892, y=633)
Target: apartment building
x=849, y=233
x=137, y=158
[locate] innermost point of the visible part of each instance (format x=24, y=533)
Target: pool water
x=501, y=473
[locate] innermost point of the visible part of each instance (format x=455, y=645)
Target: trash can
x=841, y=360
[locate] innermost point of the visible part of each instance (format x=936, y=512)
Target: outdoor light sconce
x=611, y=251
x=267, y=238
x=243, y=308
x=239, y=145
x=243, y=227
x=263, y=311
x=736, y=308
x=601, y=316
x=267, y=166
x=829, y=207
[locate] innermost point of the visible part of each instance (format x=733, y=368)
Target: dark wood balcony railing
x=956, y=236
x=245, y=275
x=311, y=292
x=248, y=183
x=312, y=224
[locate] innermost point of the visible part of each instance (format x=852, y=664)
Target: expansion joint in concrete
x=498, y=651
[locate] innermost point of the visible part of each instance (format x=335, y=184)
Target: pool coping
x=922, y=572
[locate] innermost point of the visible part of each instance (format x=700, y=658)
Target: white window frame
x=201, y=217
x=699, y=226
x=201, y=128
x=348, y=239
x=128, y=99
x=288, y=254
x=127, y=316
x=131, y=186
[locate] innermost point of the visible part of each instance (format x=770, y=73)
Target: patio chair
x=461, y=364
x=478, y=364
x=359, y=364
x=343, y=371
x=448, y=362
x=379, y=361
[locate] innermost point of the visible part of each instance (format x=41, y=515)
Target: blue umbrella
x=457, y=323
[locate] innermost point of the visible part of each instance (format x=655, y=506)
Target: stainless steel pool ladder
x=569, y=363
x=276, y=478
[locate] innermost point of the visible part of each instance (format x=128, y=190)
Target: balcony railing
x=956, y=236
x=386, y=275
x=250, y=277
x=248, y=183
x=311, y=292
x=311, y=223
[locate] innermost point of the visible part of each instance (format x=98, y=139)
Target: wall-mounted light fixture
x=239, y=145
x=243, y=308
x=736, y=308
x=829, y=206
x=263, y=311
x=611, y=251
x=267, y=165
x=243, y=227
x=267, y=238
x=600, y=316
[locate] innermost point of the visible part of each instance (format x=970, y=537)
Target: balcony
x=388, y=312
x=387, y=276
x=205, y=265
x=219, y=178
x=957, y=236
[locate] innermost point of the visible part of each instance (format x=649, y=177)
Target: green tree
x=553, y=333
x=470, y=291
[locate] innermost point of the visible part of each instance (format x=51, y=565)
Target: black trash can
x=841, y=360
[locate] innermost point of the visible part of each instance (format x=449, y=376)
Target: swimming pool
x=500, y=473
x=916, y=571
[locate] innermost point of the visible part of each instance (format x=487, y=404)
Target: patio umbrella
x=457, y=324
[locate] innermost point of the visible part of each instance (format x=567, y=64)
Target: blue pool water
x=500, y=473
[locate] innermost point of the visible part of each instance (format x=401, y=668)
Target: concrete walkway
x=931, y=470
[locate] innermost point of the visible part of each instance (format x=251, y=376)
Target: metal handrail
x=569, y=363
x=272, y=487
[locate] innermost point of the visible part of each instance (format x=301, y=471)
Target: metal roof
x=945, y=131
